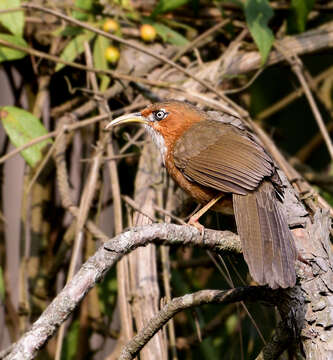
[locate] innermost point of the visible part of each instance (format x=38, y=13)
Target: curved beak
x=128, y=118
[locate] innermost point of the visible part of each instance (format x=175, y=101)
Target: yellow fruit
x=147, y=32
x=110, y=26
x=112, y=54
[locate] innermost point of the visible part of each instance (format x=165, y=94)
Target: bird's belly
x=203, y=195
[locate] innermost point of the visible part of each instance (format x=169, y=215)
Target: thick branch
x=97, y=266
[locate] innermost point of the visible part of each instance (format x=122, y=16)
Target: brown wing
x=225, y=158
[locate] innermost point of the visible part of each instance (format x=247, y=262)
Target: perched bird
x=214, y=158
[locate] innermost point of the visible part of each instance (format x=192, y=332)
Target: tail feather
x=267, y=242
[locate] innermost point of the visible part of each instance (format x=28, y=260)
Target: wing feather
x=230, y=161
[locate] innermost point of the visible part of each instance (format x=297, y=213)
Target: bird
x=220, y=163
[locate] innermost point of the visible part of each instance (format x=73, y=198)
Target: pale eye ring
x=160, y=114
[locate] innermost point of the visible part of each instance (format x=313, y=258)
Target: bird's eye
x=160, y=114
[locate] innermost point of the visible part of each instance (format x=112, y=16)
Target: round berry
x=112, y=54
x=147, y=32
x=110, y=26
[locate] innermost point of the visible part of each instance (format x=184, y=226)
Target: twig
x=84, y=207
x=296, y=65
x=304, y=152
x=64, y=188
x=288, y=99
x=169, y=214
x=111, y=73
x=315, y=110
x=247, y=85
x=6, y=11
x=201, y=37
x=136, y=207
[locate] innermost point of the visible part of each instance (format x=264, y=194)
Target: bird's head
x=165, y=121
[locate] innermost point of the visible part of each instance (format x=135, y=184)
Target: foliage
x=300, y=10
x=7, y=54
x=164, y=6
x=22, y=127
x=100, y=62
x=258, y=13
x=74, y=48
x=13, y=21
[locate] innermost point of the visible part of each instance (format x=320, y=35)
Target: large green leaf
x=13, y=21
x=74, y=48
x=100, y=62
x=167, y=5
x=257, y=14
x=6, y=53
x=300, y=10
x=22, y=127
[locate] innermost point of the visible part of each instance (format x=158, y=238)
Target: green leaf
x=170, y=36
x=22, y=127
x=167, y=5
x=67, y=31
x=167, y=34
x=6, y=53
x=86, y=6
x=2, y=286
x=257, y=14
x=300, y=10
x=13, y=21
x=74, y=48
x=100, y=62
x=70, y=31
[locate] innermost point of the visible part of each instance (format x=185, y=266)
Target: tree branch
x=97, y=266
x=249, y=293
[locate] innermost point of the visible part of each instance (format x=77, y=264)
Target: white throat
x=158, y=141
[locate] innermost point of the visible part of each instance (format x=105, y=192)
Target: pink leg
x=194, y=219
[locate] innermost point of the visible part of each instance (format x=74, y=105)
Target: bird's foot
x=194, y=221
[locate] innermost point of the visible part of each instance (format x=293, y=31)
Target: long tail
x=267, y=242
